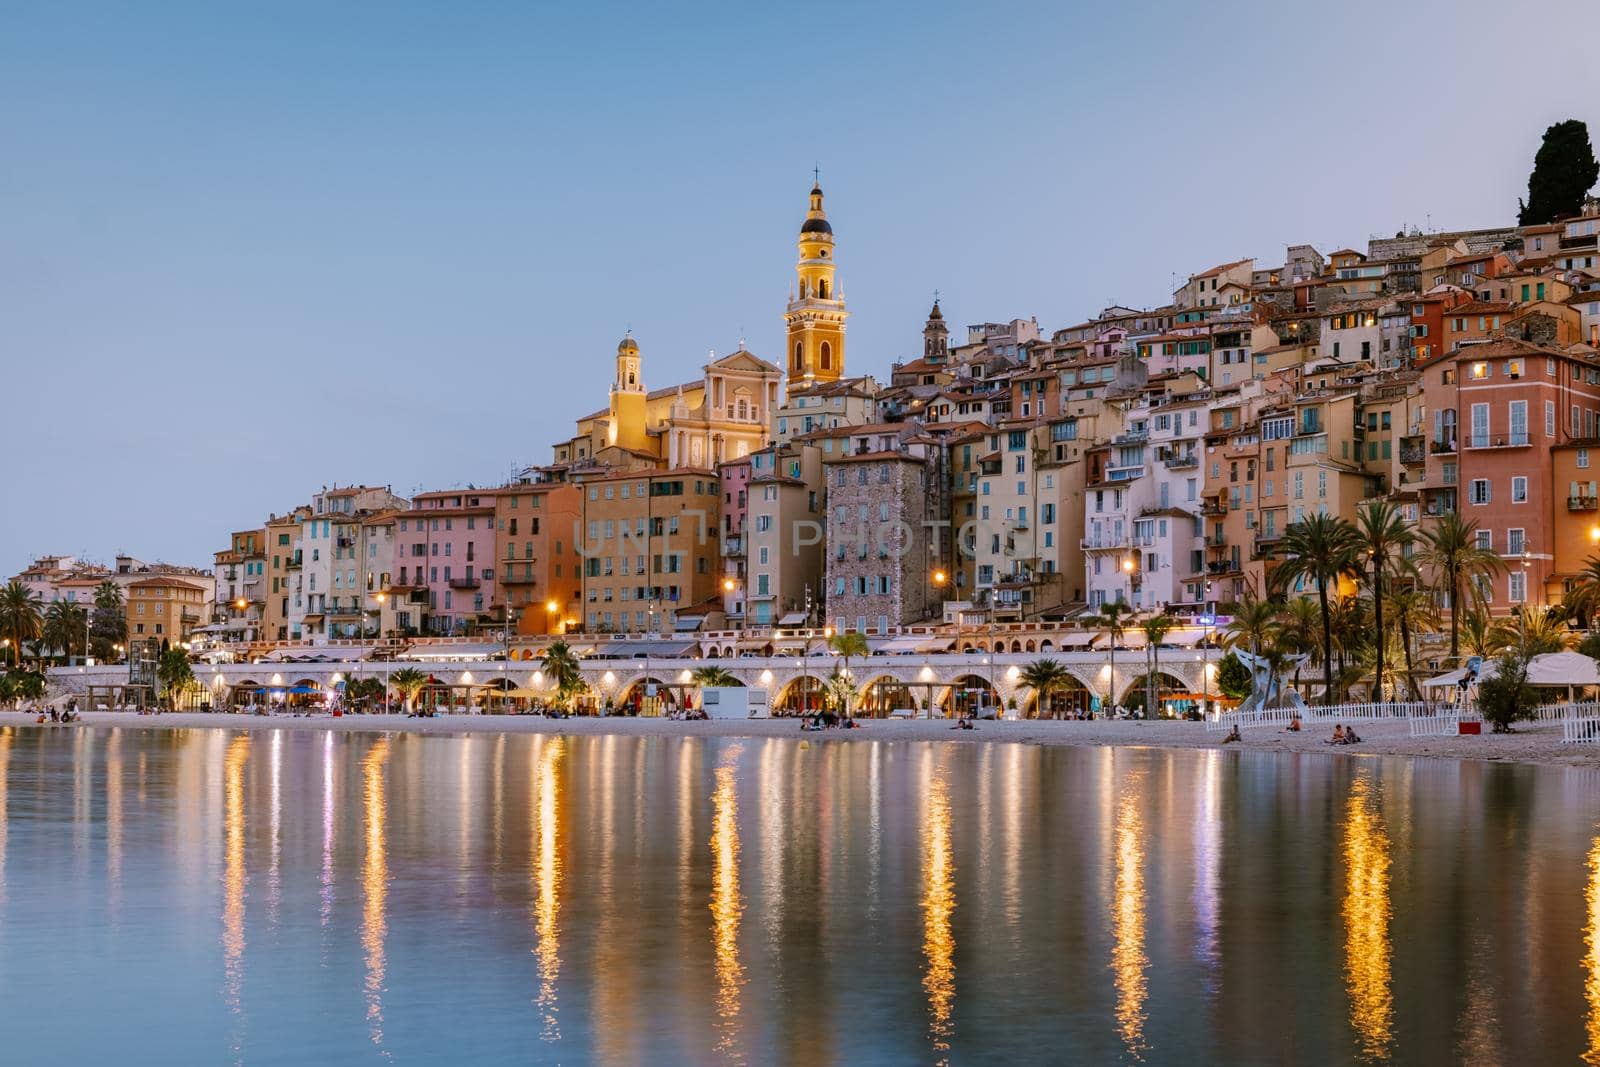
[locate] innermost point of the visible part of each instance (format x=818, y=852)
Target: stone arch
x=1069, y=699
x=999, y=646
x=1133, y=693
x=885, y=692
x=1016, y=646
x=629, y=696
x=1028, y=646
x=799, y=695
x=962, y=694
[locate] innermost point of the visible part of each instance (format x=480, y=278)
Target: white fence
x=1444, y=724
x=1378, y=710
x=1581, y=730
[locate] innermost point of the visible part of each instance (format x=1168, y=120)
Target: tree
x=1044, y=676
x=1110, y=620
x=1414, y=613
x=1155, y=631
x=1582, y=602
x=1234, y=678
x=408, y=682
x=20, y=617
x=1507, y=696
x=108, y=624
x=174, y=674
x=1564, y=170
x=840, y=691
x=1533, y=631
x=65, y=625
x=1590, y=646
x=844, y=646
x=714, y=676
x=1451, y=551
x=1384, y=537
x=562, y=667
x=361, y=692
x=1321, y=549
x=1251, y=623
x=1296, y=629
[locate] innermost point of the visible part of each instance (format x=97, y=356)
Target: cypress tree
x=1564, y=170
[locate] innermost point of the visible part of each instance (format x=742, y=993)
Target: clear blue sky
x=247, y=250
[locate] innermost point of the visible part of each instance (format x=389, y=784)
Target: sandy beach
x=1532, y=743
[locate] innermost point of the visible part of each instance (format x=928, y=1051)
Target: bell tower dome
x=815, y=317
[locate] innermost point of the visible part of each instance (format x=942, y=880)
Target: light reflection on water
x=1128, y=959
x=1591, y=961
x=1366, y=917
x=306, y=897
x=938, y=909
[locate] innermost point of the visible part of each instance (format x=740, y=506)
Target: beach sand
x=1531, y=743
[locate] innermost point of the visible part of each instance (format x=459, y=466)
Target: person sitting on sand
x=1338, y=734
x=1233, y=735
x=1350, y=737
x=1294, y=725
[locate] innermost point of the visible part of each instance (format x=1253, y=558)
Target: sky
x=247, y=251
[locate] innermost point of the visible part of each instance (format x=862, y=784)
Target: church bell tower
x=627, y=414
x=815, y=316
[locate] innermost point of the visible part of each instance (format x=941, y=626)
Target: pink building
x=444, y=569
x=734, y=476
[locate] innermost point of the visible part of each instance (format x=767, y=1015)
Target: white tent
x=1557, y=670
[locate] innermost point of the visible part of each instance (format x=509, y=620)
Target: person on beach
x=1338, y=735
x=1350, y=737
x=1233, y=735
x=1294, y=725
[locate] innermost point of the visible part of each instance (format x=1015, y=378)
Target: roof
x=1220, y=268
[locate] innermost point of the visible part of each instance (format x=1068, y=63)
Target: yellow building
x=165, y=608
x=816, y=314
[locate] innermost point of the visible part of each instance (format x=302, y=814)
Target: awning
x=687, y=624
x=901, y=645
x=794, y=618
x=476, y=650
x=318, y=654
x=641, y=649
x=937, y=644
x=1077, y=640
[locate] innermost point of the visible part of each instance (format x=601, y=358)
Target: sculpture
x=1267, y=692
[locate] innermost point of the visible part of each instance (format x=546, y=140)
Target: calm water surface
x=304, y=897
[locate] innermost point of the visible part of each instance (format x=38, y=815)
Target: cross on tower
x=816, y=174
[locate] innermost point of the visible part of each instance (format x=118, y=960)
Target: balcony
x=1442, y=448
x=292, y=562
x=1412, y=454
x=1108, y=543
x=1265, y=544
x=1517, y=439
x=468, y=582
x=733, y=546
x=1583, y=503
x=1213, y=508
x=1221, y=566
x=1216, y=540
x=1182, y=463
x=1136, y=438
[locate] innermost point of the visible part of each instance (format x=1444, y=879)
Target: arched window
x=802, y=288
x=822, y=290
x=827, y=356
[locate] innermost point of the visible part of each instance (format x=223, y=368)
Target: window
x=1515, y=542
x=1549, y=418
x=1583, y=458
x=1519, y=490
x=1517, y=587
x=1478, y=491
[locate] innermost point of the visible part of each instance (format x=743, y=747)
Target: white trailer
x=734, y=702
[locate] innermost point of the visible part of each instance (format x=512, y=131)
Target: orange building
x=536, y=551
x=165, y=608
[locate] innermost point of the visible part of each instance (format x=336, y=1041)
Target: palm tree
x=1043, y=676
x=64, y=626
x=1155, y=631
x=109, y=623
x=1384, y=538
x=20, y=617
x=1297, y=629
x=1251, y=623
x=175, y=675
x=1582, y=601
x=714, y=676
x=408, y=682
x=1479, y=635
x=1110, y=620
x=561, y=664
x=1321, y=548
x=844, y=646
x=1534, y=631
x=1414, y=613
x=1451, y=551
x=8, y=689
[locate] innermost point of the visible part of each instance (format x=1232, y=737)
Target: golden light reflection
x=1591, y=958
x=5, y=770
x=1128, y=959
x=375, y=885
x=233, y=872
x=726, y=905
x=325, y=880
x=1366, y=919
x=938, y=907
x=113, y=820
x=547, y=877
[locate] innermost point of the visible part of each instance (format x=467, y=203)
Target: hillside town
x=1005, y=474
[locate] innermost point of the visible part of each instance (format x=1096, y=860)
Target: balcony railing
x=1442, y=448
x=468, y=582
x=1583, y=503
x=1506, y=440
x=733, y=546
x=1209, y=508
x=1412, y=454
x=1180, y=463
